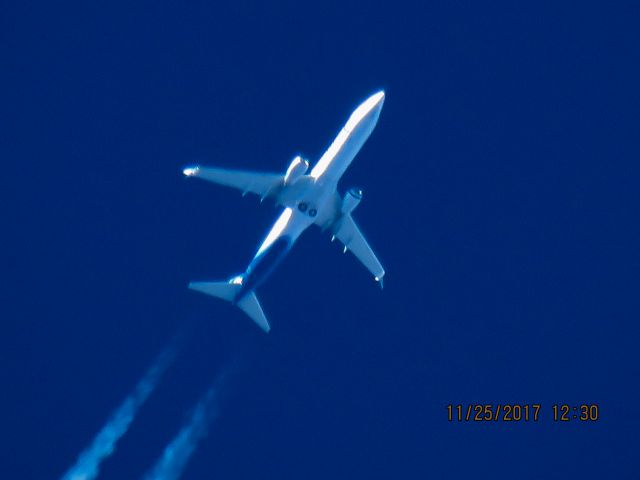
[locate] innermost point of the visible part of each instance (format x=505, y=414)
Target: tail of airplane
x=228, y=291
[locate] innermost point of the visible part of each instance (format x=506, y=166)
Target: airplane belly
x=349, y=141
x=352, y=145
x=263, y=265
x=285, y=231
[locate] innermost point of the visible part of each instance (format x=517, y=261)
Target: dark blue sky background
x=501, y=194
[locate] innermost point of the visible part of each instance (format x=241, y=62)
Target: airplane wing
x=262, y=184
x=349, y=234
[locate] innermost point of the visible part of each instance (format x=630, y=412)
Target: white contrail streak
x=87, y=466
x=177, y=453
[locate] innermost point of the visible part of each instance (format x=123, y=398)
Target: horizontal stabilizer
x=228, y=291
x=224, y=290
x=250, y=305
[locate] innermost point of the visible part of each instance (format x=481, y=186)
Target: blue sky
x=500, y=193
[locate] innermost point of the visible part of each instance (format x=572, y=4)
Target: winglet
x=191, y=171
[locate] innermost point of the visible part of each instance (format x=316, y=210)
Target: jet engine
x=351, y=200
x=297, y=169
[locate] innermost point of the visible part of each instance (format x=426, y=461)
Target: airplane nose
x=369, y=111
x=374, y=102
x=378, y=98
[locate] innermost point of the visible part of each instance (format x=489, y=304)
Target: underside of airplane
x=308, y=199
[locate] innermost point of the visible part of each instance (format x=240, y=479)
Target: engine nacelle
x=351, y=200
x=297, y=169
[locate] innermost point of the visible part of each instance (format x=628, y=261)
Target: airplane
x=307, y=199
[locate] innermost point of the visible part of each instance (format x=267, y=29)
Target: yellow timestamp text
x=525, y=412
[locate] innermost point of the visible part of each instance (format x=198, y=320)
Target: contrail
x=177, y=453
x=87, y=466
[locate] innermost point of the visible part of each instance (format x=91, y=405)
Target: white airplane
x=307, y=199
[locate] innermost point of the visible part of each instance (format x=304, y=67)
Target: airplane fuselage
x=308, y=203
x=312, y=198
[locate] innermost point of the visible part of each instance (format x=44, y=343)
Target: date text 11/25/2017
x=514, y=412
